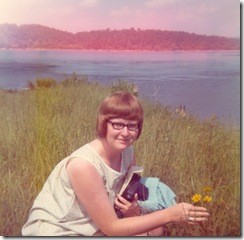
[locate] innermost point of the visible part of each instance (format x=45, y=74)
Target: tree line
x=41, y=37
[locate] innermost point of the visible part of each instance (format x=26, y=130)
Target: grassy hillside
x=40, y=127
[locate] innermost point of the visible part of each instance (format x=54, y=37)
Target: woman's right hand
x=187, y=213
x=129, y=209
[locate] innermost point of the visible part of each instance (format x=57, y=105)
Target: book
x=129, y=175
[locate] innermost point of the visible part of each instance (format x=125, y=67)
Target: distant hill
x=41, y=37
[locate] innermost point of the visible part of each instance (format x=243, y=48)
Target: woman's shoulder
x=88, y=156
x=80, y=151
x=77, y=164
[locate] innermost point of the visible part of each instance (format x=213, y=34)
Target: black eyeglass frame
x=122, y=125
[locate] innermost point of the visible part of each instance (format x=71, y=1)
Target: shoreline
x=227, y=120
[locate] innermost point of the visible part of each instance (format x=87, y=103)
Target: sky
x=207, y=17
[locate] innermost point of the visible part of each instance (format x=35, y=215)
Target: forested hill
x=39, y=37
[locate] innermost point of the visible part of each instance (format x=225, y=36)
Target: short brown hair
x=119, y=105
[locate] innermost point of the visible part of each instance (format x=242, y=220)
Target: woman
x=79, y=197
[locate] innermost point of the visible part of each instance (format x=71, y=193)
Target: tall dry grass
x=40, y=127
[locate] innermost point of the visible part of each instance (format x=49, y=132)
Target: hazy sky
x=210, y=17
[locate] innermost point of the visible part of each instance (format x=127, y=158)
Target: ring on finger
x=191, y=219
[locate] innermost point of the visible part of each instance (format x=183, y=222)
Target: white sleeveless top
x=57, y=212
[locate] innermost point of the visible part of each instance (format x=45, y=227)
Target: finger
x=117, y=203
x=199, y=209
x=198, y=214
x=196, y=220
x=135, y=200
x=136, y=197
x=123, y=200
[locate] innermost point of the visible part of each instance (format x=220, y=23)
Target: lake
x=206, y=82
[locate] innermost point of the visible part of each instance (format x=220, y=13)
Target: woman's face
x=121, y=133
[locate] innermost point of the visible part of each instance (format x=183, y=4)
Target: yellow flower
x=196, y=198
x=207, y=189
x=207, y=199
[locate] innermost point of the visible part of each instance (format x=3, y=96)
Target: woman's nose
x=125, y=131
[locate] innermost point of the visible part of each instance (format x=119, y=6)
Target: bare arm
x=90, y=191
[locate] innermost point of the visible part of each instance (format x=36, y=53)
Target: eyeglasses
x=120, y=126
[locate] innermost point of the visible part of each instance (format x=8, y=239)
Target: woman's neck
x=109, y=155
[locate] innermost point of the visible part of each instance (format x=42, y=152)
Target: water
x=206, y=82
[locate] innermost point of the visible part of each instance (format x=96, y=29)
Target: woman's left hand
x=129, y=209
